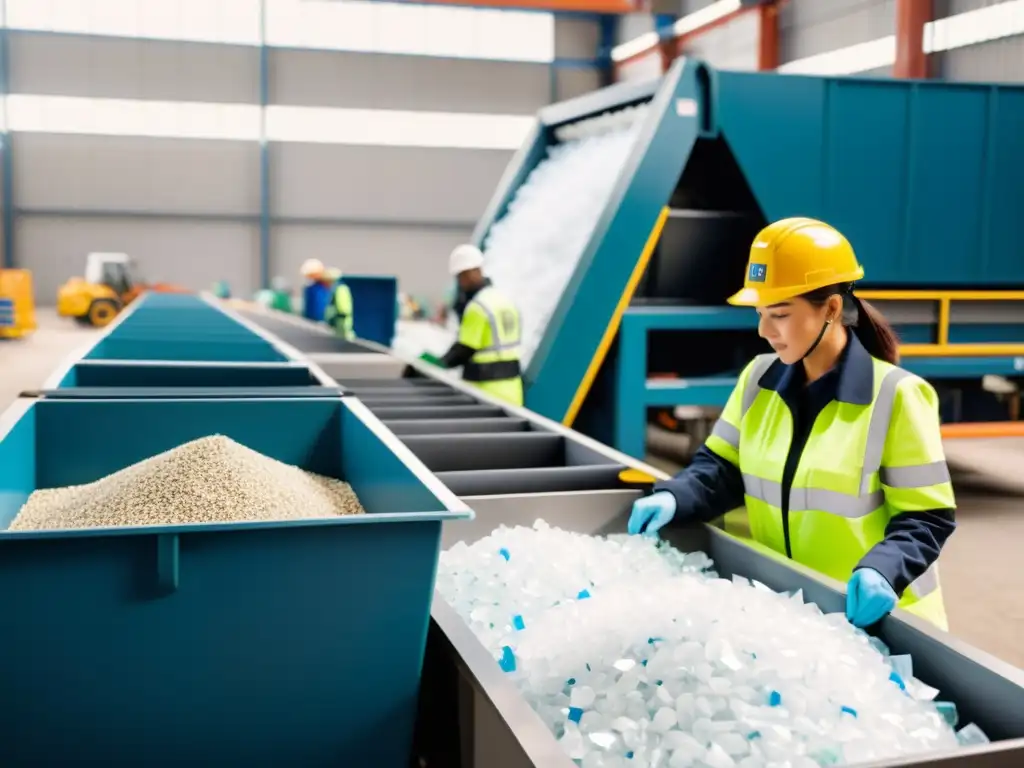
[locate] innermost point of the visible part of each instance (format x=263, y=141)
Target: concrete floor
x=982, y=576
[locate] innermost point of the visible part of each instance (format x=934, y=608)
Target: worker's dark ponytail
x=870, y=326
x=875, y=332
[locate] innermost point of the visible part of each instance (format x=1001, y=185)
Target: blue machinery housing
x=925, y=178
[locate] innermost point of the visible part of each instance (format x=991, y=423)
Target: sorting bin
x=181, y=327
x=255, y=644
x=501, y=730
x=145, y=378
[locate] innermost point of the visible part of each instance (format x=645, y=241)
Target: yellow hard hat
x=795, y=256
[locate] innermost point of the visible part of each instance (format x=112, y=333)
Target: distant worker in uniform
x=316, y=292
x=833, y=449
x=338, y=313
x=281, y=295
x=489, y=330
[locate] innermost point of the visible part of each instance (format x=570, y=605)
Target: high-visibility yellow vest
x=491, y=326
x=862, y=465
x=339, y=311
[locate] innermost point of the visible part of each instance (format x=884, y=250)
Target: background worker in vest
x=834, y=451
x=316, y=293
x=338, y=313
x=489, y=330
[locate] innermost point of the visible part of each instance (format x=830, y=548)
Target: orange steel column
x=768, y=37
x=911, y=16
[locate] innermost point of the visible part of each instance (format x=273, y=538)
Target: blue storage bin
x=374, y=307
x=238, y=644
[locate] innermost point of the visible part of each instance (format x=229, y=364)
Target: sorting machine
x=512, y=466
x=922, y=177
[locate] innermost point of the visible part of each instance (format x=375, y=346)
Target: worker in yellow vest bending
x=833, y=449
x=489, y=330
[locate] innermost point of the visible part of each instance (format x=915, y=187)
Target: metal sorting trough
x=513, y=467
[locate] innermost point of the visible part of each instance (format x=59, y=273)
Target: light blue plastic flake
x=895, y=677
x=948, y=711
x=575, y=713
x=508, y=660
x=505, y=553
x=571, y=681
x=903, y=666
x=518, y=623
x=849, y=711
x=629, y=755
x=583, y=594
x=753, y=735
x=774, y=699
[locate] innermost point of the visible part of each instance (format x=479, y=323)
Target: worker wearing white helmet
x=489, y=330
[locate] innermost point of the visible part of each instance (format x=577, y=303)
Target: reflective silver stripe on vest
x=927, y=582
x=725, y=431
x=753, y=385
x=813, y=499
x=878, y=428
x=492, y=320
x=916, y=476
x=863, y=504
x=729, y=432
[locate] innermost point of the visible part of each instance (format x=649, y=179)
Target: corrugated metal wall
x=810, y=27
x=997, y=60
x=189, y=209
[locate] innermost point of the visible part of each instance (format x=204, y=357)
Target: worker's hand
x=651, y=513
x=869, y=597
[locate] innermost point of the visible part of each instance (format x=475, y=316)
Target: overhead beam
x=911, y=18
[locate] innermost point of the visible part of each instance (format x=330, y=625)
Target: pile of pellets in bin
x=636, y=655
x=210, y=480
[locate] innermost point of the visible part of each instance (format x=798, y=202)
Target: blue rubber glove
x=869, y=597
x=654, y=512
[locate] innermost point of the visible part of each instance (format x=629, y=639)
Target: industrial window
x=355, y=25
x=430, y=30
x=992, y=22
x=212, y=21
x=396, y=128
x=241, y=122
x=126, y=117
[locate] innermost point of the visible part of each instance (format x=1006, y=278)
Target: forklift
x=110, y=284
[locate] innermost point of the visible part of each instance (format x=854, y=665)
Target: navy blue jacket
x=712, y=486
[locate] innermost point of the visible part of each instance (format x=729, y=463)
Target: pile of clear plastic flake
x=638, y=656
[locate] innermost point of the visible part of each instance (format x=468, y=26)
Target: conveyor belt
x=512, y=468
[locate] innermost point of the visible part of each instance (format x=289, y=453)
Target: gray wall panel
x=577, y=38
x=374, y=81
x=73, y=65
x=810, y=27
x=380, y=183
x=640, y=69
x=194, y=254
x=122, y=173
x=570, y=83
x=632, y=26
x=1000, y=61
x=419, y=257
x=730, y=46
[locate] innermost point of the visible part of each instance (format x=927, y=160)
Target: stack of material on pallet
x=210, y=480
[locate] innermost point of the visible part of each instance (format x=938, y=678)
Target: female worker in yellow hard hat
x=833, y=449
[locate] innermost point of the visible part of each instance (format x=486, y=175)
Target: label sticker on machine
x=686, y=107
x=757, y=273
